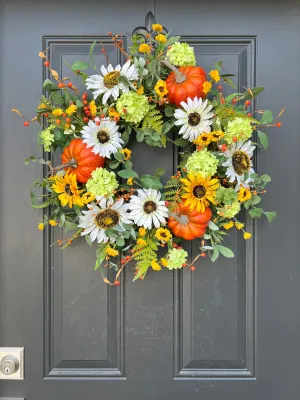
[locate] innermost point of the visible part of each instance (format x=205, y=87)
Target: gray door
x=228, y=331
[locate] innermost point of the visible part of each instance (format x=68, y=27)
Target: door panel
x=228, y=331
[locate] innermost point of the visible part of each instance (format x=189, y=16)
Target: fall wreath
x=161, y=97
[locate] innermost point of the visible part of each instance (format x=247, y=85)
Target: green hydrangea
x=47, y=138
x=136, y=107
x=181, y=55
x=202, y=162
x=226, y=195
x=230, y=211
x=102, y=182
x=239, y=128
x=176, y=258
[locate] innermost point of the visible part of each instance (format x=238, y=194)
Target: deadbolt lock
x=9, y=365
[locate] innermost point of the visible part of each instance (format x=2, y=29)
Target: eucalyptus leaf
x=127, y=173
x=263, y=138
x=151, y=182
x=215, y=254
x=225, y=251
x=271, y=215
x=213, y=226
x=79, y=66
x=255, y=212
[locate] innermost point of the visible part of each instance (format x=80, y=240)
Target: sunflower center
x=103, y=137
x=107, y=218
x=240, y=162
x=68, y=190
x=150, y=207
x=199, y=191
x=111, y=79
x=194, y=119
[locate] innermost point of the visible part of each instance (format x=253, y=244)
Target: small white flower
x=102, y=216
x=147, y=209
x=70, y=131
x=108, y=83
x=195, y=118
x=104, y=138
x=239, y=163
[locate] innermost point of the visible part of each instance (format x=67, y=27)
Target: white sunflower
x=195, y=118
x=104, y=138
x=147, y=209
x=108, y=83
x=239, y=163
x=102, y=216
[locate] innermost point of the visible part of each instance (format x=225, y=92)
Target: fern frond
x=153, y=120
x=143, y=255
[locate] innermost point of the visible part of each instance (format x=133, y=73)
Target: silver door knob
x=9, y=365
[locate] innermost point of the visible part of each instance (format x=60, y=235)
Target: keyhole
x=7, y=370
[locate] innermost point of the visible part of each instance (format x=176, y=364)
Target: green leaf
x=140, y=136
x=271, y=215
x=88, y=240
x=70, y=226
x=152, y=66
x=219, y=65
x=57, y=98
x=263, y=138
x=232, y=96
x=255, y=212
x=128, y=164
x=127, y=173
x=265, y=178
x=169, y=112
x=172, y=40
x=213, y=226
x=119, y=156
x=120, y=242
x=225, y=251
x=60, y=139
x=79, y=104
x=255, y=92
x=114, y=164
x=49, y=86
x=166, y=127
x=215, y=254
x=229, y=82
x=79, y=65
x=181, y=142
x=255, y=200
x=267, y=118
x=159, y=172
x=141, y=271
x=152, y=182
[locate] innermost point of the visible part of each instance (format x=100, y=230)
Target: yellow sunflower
x=127, y=153
x=88, y=198
x=161, y=88
x=216, y=135
x=162, y=234
x=203, y=140
x=199, y=192
x=66, y=186
x=244, y=194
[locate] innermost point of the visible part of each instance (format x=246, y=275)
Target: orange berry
x=203, y=254
x=249, y=115
x=58, y=122
x=97, y=123
x=68, y=120
x=234, y=139
x=61, y=85
x=109, y=34
x=102, y=116
x=175, y=245
x=117, y=283
x=123, y=261
x=128, y=258
x=46, y=63
x=224, y=147
x=63, y=115
x=167, y=203
x=26, y=123
x=247, y=103
x=85, y=119
x=220, y=87
x=192, y=268
x=46, y=115
x=184, y=265
x=70, y=84
x=278, y=124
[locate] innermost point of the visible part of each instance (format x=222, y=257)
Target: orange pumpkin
x=84, y=160
x=189, y=224
x=187, y=83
